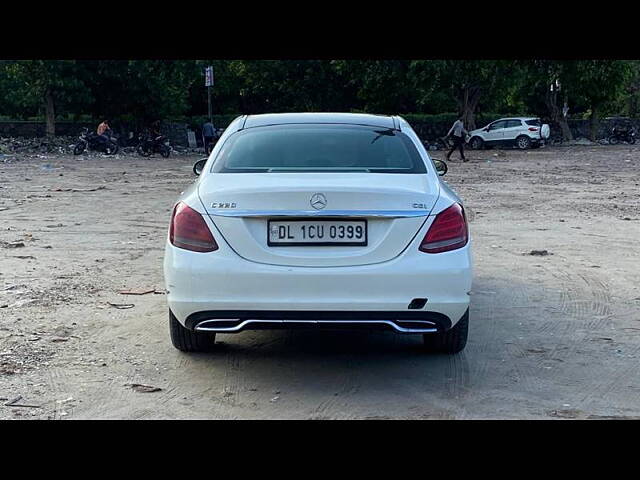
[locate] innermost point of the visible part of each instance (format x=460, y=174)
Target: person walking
x=208, y=134
x=458, y=133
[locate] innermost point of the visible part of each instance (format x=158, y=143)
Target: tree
x=145, y=90
x=601, y=85
x=551, y=83
x=428, y=82
x=289, y=85
x=471, y=81
x=224, y=94
x=632, y=89
x=49, y=84
x=141, y=90
x=377, y=86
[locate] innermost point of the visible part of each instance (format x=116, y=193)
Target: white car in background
x=523, y=132
x=318, y=220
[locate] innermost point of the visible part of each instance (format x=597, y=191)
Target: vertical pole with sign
x=209, y=84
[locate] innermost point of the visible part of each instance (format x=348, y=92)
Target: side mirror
x=486, y=129
x=441, y=167
x=197, y=168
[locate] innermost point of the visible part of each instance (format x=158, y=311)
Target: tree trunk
x=555, y=112
x=468, y=118
x=593, y=124
x=467, y=103
x=567, y=136
x=50, y=114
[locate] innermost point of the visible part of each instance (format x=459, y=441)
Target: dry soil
x=551, y=336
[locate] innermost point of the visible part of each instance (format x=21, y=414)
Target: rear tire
x=613, y=140
x=142, y=151
x=79, y=148
x=523, y=142
x=187, y=341
x=111, y=148
x=165, y=151
x=452, y=341
x=632, y=141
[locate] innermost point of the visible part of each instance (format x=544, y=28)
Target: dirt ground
x=551, y=336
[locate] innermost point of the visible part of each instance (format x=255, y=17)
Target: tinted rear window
x=533, y=123
x=319, y=148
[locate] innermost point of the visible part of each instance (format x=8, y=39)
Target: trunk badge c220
x=223, y=205
x=318, y=201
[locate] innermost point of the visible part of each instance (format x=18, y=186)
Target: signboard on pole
x=208, y=81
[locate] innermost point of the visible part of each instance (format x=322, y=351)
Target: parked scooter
x=93, y=141
x=622, y=134
x=150, y=144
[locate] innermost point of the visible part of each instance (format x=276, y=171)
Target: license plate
x=317, y=232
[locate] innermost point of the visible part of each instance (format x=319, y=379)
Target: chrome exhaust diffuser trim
x=215, y=325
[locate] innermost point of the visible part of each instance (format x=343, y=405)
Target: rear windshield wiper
x=389, y=133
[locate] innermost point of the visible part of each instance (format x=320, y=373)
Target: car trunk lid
x=394, y=206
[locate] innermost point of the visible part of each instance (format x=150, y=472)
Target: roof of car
x=297, y=118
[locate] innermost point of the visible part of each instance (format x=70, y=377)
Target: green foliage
x=145, y=90
x=600, y=84
x=24, y=83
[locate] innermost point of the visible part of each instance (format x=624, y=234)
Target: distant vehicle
x=523, y=132
x=319, y=220
x=93, y=141
x=622, y=133
x=150, y=144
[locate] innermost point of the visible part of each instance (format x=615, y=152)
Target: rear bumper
x=221, y=285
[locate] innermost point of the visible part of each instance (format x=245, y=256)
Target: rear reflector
x=447, y=232
x=188, y=230
x=533, y=129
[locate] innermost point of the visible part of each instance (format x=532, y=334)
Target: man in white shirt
x=458, y=133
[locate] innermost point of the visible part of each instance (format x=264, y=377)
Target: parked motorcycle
x=93, y=141
x=622, y=134
x=150, y=144
x=440, y=143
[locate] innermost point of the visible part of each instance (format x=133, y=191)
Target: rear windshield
x=533, y=123
x=319, y=148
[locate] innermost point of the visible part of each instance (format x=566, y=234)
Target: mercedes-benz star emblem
x=318, y=201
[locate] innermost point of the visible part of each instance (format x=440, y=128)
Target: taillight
x=447, y=232
x=188, y=230
x=533, y=129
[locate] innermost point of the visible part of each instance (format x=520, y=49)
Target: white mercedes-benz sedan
x=318, y=220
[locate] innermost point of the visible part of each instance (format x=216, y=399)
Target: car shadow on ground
x=391, y=373
x=316, y=360
x=329, y=372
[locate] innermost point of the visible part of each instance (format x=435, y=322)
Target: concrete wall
x=38, y=129
x=177, y=132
